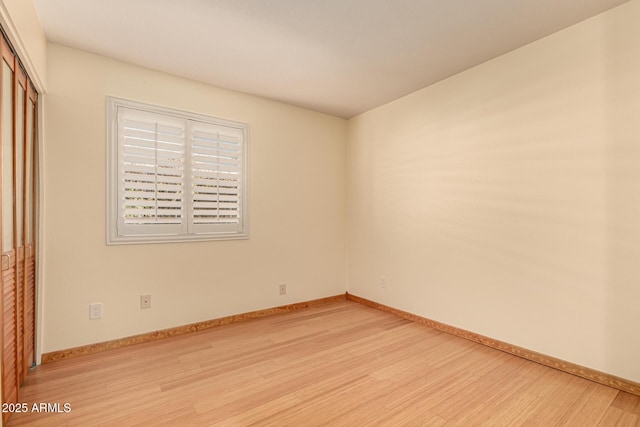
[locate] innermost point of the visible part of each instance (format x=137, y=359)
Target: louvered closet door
x=17, y=234
x=11, y=324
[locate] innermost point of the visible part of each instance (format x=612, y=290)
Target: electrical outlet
x=95, y=311
x=283, y=289
x=145, y=301
x=383, y=282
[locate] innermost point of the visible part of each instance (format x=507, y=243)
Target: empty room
x=313, y=213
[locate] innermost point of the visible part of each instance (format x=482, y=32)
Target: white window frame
x=119, y=231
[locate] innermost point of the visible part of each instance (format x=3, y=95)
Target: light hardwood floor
x=336, y=364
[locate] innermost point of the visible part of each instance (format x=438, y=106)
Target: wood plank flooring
x=339, y=364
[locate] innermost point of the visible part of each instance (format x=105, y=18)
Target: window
x=174, y=176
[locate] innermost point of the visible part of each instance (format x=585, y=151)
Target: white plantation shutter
x=216, y=178
x=151, y=176
x=174, y=175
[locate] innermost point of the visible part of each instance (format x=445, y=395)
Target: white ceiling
x=340, y=57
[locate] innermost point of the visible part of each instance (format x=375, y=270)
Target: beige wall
x=297, y=210
x=506, y=200
x=20, y=20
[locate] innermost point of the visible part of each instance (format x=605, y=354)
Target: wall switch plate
x=383, y=282
x=283, y=289
x=145, y=301
x=95, y=311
